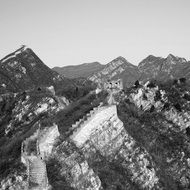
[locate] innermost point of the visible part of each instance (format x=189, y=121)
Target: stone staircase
x=37, y=173
x=36, y=167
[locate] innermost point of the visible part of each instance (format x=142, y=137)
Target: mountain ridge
x=82, y=70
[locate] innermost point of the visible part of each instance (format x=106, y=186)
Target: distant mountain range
x=149, y=68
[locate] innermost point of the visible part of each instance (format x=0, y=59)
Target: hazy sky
x=69, y=32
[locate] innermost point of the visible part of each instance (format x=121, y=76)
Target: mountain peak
x=148, y=60
x=151, y=58
x=174, y=59
x=170, y=55
x=120, y=58
x=120, y=61
x=23, y=69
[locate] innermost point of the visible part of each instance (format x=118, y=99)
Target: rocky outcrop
x=147, y=98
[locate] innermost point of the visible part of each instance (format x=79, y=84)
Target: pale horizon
x=71, y=32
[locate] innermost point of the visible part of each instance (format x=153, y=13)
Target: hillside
x=77, y=71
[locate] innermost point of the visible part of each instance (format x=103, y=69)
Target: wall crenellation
x=82, y=122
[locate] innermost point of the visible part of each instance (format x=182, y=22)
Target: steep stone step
x=37, y=171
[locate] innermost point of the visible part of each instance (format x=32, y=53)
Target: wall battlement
x=114, y=85
x=82, y=122
x=99, y=115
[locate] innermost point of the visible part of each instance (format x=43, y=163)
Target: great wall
x=100, y=130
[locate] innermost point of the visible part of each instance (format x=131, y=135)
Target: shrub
x=56, y=180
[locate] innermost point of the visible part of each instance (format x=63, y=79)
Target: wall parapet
x=81, y=122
